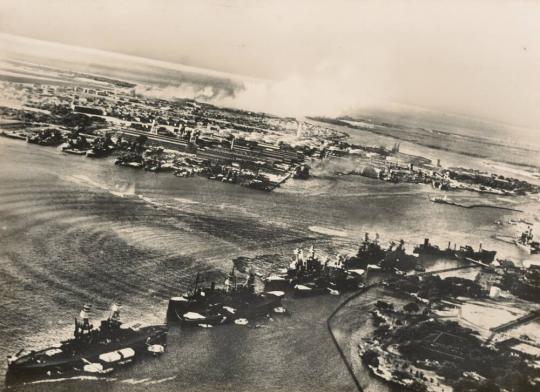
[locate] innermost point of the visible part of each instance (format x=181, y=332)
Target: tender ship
x=209, y=306
x=429, y=250
x=92, y=350
x=482, y=255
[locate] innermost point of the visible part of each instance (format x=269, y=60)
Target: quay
x=532, y=315
x=426, y=273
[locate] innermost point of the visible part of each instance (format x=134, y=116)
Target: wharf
x=532, y=315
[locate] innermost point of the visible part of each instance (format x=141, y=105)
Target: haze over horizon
x=476, y=58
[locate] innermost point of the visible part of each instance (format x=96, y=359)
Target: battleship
x=209, y=306
x=371, y=255
x=91, y=350
x=397, y=260
x=308, y=275
x=370, y=252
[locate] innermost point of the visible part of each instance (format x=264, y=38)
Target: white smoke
x=328, y=90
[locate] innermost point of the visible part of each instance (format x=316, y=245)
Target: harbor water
x=75, y=230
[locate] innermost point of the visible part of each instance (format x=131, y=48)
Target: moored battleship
x=371, y=255
x=238, y=303
x=370, y=252
x=308, y=275
x=397, y=260
x=91, y=350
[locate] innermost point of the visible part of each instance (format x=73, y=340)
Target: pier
x=534, y=314
x=447, y=270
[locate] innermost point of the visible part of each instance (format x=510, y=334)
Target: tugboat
x=369, y=252
x=484, y=256
x=308, y=276
x=91, y=350
x=525, y=242
x=429, y=250
x=209, y=306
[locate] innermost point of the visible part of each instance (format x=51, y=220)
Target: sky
x=475, y=57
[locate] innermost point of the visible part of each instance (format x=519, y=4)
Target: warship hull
x=219, y=310
x=94, y=356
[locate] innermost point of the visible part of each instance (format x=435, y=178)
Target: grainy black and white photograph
x=269, y=196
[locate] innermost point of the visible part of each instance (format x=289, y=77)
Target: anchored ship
x=397, y=260
x=370, y=252
x=482, y=255
x=429, y=250
x=92, y=350
x=238, y=303
x=527, y=243
x=308, y=275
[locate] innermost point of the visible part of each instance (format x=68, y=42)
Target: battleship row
x=239, y=300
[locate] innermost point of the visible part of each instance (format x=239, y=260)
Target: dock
x=532, y=315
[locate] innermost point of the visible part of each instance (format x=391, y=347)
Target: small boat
x=14, y=135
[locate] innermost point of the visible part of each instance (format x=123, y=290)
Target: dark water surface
x=75, y=230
